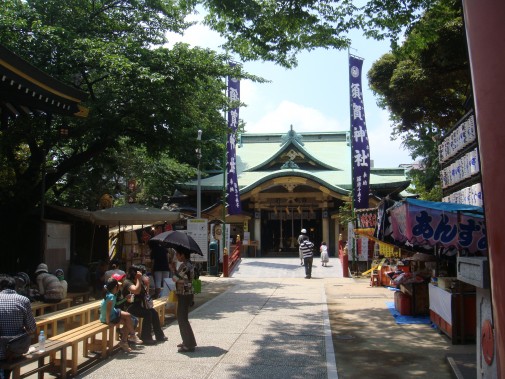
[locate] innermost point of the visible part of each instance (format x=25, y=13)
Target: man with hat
x=50, y=288
x=301, y=237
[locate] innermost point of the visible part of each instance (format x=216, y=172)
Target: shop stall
x=451, y=231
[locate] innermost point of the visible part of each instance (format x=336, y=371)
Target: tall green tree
x=138, y=89
x=141, y=93
x=425, y=84
x=278, y=30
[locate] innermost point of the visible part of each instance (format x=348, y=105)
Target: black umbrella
x=179, y=241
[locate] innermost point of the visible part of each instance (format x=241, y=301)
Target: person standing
x=323, y=249
x=300, y=240
x=183, y=279
x=308, y=256
x=49, y=286
x=161, y=259
x=16, y=315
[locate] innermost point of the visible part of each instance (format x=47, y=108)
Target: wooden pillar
x=485, y=30
x=257, y=229
x=326, y=228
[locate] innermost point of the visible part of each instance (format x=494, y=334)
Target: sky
x=313, y=97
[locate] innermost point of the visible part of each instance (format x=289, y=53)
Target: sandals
x=134, y=339
x=124, y=345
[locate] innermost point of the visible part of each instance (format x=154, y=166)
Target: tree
x=144, y=98
x=153, y=96
x=278, y=30
x=142, y=93
x=425, y=84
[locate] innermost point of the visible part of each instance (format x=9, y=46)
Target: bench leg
x=104, y=343
x=75, y=349
x=85, y=346
x=40, y=373
x=63, y=364
x=16, y=372
x=112, y=337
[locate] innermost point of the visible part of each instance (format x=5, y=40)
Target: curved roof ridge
x=285, y=147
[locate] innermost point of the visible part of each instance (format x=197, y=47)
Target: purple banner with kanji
x=360, y=149
x=232, y=189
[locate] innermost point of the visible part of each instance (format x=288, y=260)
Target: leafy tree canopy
x=141, y=93
x=424, y=83
x=278, y=30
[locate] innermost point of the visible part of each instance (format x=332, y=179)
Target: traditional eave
x=24, y=89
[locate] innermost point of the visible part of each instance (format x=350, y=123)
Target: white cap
x=304, y=231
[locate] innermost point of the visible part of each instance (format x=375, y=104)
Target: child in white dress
x=324, y=254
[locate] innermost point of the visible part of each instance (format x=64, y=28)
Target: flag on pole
x=360, y=148
x=232, y=189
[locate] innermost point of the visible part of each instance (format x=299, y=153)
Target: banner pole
x=353, y=246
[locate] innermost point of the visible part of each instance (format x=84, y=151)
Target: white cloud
x=197, y=35
x=273, y=107
x=287, y=113
x=385, y=152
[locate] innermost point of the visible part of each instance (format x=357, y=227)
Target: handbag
x=18, y=345
x=172, y=297
x=197, y=286
x=148, y=301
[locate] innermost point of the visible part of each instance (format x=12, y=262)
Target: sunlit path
x=285, y=268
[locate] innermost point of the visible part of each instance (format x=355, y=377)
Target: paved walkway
x=285, y=268
x=267, y=321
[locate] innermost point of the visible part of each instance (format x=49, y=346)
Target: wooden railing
x=231, y=260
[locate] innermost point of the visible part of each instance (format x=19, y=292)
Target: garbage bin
x=213, y=262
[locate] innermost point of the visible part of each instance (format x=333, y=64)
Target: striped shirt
x=306, y=249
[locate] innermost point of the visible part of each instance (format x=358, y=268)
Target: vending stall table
x=453, y=312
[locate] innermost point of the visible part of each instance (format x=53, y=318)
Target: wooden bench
x=52, y=347
x=85, y=312
x=159, y=305
x=39, y=307
x=75, y=296
x=87, y=335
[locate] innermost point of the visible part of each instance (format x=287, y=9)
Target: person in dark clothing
x=136, y=283
x=161, y=265
x=113, y=269
x=183, y=279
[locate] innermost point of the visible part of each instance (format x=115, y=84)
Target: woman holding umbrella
x=183, y=279
x=184, y=245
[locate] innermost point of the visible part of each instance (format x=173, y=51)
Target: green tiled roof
x=323, y=157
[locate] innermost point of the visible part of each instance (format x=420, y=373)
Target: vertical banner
x=360, y=149
x=231, y=166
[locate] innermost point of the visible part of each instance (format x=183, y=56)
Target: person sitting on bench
x=16, y=316
x=49, y=286
x=111, y=315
